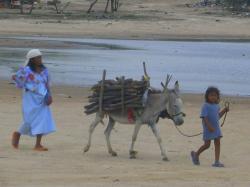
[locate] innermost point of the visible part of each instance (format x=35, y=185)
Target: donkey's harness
x=165, y=114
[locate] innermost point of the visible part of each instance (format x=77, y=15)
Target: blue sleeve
x=204, y=111
x=21, y=77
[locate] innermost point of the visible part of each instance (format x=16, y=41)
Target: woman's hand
x=13, y=77
x=49, y=100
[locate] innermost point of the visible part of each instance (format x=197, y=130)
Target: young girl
x=210, y=115
x=33, y=78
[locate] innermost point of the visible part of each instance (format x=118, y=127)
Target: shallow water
x=196, y=65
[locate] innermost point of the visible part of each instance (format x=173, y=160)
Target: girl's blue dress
x=37, y=117
x=211, y=111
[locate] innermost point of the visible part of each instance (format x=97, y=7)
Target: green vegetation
x=235, y=5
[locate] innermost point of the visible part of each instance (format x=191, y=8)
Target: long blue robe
x=37, y=117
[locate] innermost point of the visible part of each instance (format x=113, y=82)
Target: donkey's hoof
x=86, y=149
x=132, y=157
x=165, y=159
x=113, y=153
x=132, y=154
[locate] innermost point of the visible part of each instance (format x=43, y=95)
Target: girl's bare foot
x=15, y=139
x=40, y=148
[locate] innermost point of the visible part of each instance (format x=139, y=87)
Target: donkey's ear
x=177, y=87
x=162, y=85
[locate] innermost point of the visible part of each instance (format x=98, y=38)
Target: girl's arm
x=208, y=124
x=222, y=112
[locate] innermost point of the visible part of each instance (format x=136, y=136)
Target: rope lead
x=227, y=104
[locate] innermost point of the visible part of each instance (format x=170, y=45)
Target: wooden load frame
x=118, y=94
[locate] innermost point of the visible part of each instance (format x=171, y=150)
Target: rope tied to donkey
x=227, y=104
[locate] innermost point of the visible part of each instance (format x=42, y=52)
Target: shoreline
x=61, y=86
x=191, y=38
x=66, y=43
x=85, y=90
x=54, y=42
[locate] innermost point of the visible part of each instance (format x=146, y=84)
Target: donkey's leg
x=107, y=134
x=132, y=152
x=156, y=132
x=98, y=119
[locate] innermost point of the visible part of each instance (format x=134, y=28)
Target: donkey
x=167, y=100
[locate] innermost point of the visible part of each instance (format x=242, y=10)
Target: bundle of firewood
x=119, y=94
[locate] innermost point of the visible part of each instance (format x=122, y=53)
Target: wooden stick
x=146, y=77
x=122, y=94
x=91, y=6
x=102, y=90
x=144, y=68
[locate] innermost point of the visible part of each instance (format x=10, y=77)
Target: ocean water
x=196, y=65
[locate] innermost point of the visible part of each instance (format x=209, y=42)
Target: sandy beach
x=66, y=165
x=137, y=19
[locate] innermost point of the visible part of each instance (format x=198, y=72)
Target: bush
x=236, y=5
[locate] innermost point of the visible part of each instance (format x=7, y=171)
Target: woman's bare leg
x=15, y=139
x=38, y=146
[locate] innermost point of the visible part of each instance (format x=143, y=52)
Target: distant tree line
x=58, y=6
x=235, y=4
x=114, y=5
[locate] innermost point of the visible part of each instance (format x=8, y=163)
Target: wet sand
x=29, y=43
x=66, y=165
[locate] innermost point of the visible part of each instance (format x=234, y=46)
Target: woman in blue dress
x=33, y=78
x=211, y=114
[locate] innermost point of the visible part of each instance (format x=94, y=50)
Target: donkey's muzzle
x=178, y=121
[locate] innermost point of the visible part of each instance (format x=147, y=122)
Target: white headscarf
x=32, y=54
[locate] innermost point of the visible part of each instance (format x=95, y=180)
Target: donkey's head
x=174, y=102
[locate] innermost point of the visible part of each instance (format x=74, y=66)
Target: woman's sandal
x=195, y=160
x=15, y=139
